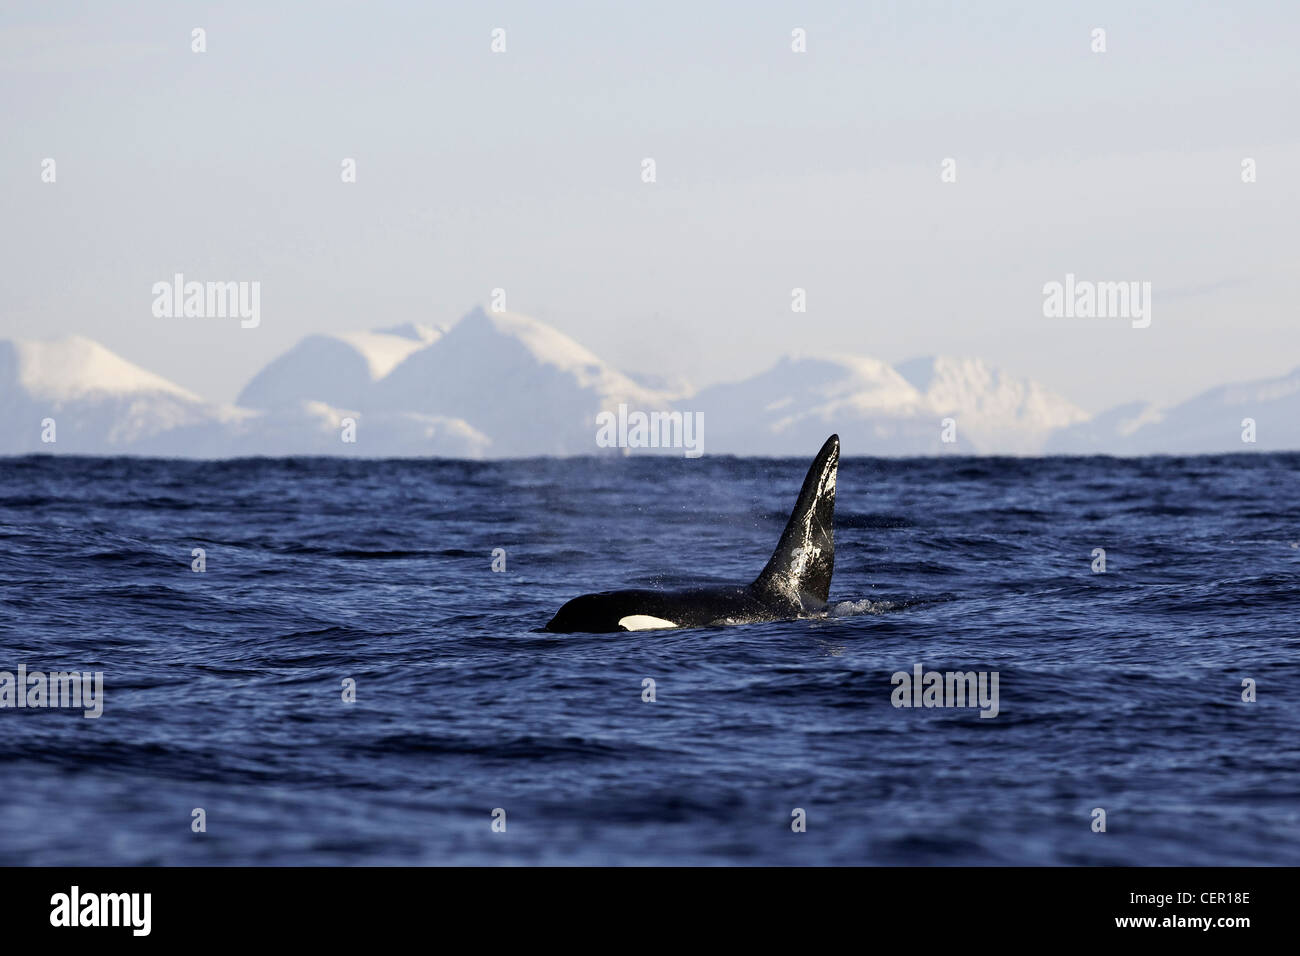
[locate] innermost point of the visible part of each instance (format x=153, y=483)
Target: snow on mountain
x=881, y=410
x=504, y=385
x=531, y=389
x=1212, y=422
x=1107, y=433
x=338, y=369
x=316, y=428
x=996, y=413
x=780, y=411
x=99, y=403
x=75, y=367
x=671, y=387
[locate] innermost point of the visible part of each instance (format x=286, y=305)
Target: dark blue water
x=223, y=689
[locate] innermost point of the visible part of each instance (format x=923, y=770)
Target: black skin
x=697, y=607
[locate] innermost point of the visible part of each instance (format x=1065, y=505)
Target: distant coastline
x=502, y=385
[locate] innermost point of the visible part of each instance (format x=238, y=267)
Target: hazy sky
x=776, y=170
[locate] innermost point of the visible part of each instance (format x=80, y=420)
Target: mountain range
x=505, y=385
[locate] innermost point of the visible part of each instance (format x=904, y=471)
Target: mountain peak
x=337, y=368
x=62, y=369
x=526, y=385
x=544, y=342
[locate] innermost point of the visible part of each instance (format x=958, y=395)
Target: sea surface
x=223, y=690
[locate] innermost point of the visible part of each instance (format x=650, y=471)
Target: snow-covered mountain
x=882, y=410
x=318, y=428
x=338, y=369
x=996, y=413
x=531, y=389
x=505, y=385
x=1214, y=421
x=93, y=402
x=305, y=397
x=774, y=412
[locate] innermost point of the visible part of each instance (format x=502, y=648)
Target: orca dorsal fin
x=804, y=559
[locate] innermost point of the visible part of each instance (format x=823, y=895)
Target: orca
x=796, y=581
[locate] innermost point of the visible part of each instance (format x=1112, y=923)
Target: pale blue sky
x=522, y=170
